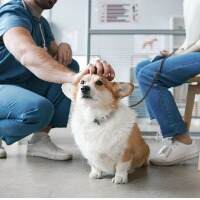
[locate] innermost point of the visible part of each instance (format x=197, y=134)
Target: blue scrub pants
x=28, y=107
x=160, y=102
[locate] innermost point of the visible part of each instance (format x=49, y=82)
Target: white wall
x=70, y=23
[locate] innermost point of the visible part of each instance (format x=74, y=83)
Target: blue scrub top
x=13, y=14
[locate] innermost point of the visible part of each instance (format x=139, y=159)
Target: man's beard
x=45, y=4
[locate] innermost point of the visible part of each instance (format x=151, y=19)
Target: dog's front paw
x=120, y=179
x=94, y=174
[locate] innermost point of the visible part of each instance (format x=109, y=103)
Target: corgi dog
x=105, y=129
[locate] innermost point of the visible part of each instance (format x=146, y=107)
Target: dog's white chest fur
x=102, y=144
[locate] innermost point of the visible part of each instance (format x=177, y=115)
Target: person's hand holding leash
x=165, y=53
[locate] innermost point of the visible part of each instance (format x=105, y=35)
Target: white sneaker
x=174, y=152
x=41, y=145
x=3, y=153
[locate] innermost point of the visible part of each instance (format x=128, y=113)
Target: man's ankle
x=37, y=137
x=185, y=139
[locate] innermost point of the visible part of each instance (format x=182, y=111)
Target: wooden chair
x=193, y=89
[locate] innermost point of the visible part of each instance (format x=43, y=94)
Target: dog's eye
x=82, y=82
x=99, y=83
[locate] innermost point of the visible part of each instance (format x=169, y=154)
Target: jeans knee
x=40, y=115
x=140, y=66
x=144, y=78
x=137, y=70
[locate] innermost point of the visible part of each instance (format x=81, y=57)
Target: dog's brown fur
x=137, y=150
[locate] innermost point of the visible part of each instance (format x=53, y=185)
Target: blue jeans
x=160, y=102
x=31, y=106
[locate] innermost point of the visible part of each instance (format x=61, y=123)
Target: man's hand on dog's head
x=99, y=68
x=102, y=68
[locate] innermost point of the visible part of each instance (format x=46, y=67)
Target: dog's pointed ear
x=67, y=90
x=122, y=90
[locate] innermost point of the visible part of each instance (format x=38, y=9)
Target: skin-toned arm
x=20, y=43
x=193, y=48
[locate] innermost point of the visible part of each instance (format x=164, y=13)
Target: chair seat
x=195, y=79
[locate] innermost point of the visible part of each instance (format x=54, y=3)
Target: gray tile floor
x=21, y=176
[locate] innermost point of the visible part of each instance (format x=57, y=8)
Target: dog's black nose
x=85, y=89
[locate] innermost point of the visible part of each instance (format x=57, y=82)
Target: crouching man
x=32, y=69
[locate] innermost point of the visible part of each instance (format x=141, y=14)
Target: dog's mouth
x=86, y=96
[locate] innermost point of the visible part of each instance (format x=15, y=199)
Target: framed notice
x=126, y=12
x=133, y=14
x=115, y=12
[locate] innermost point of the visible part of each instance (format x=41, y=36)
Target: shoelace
x=159, y=136
x=168, y=147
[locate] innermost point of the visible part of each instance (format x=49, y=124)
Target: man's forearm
x=35, y=58
x=40, y=63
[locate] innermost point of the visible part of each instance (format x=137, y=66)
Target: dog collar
x=103, y=119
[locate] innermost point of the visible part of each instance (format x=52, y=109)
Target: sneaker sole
x=3, y=155
x=176, y=161
x=47, y=156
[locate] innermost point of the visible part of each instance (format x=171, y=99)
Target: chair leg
x=199, y=163
x=189, y=106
